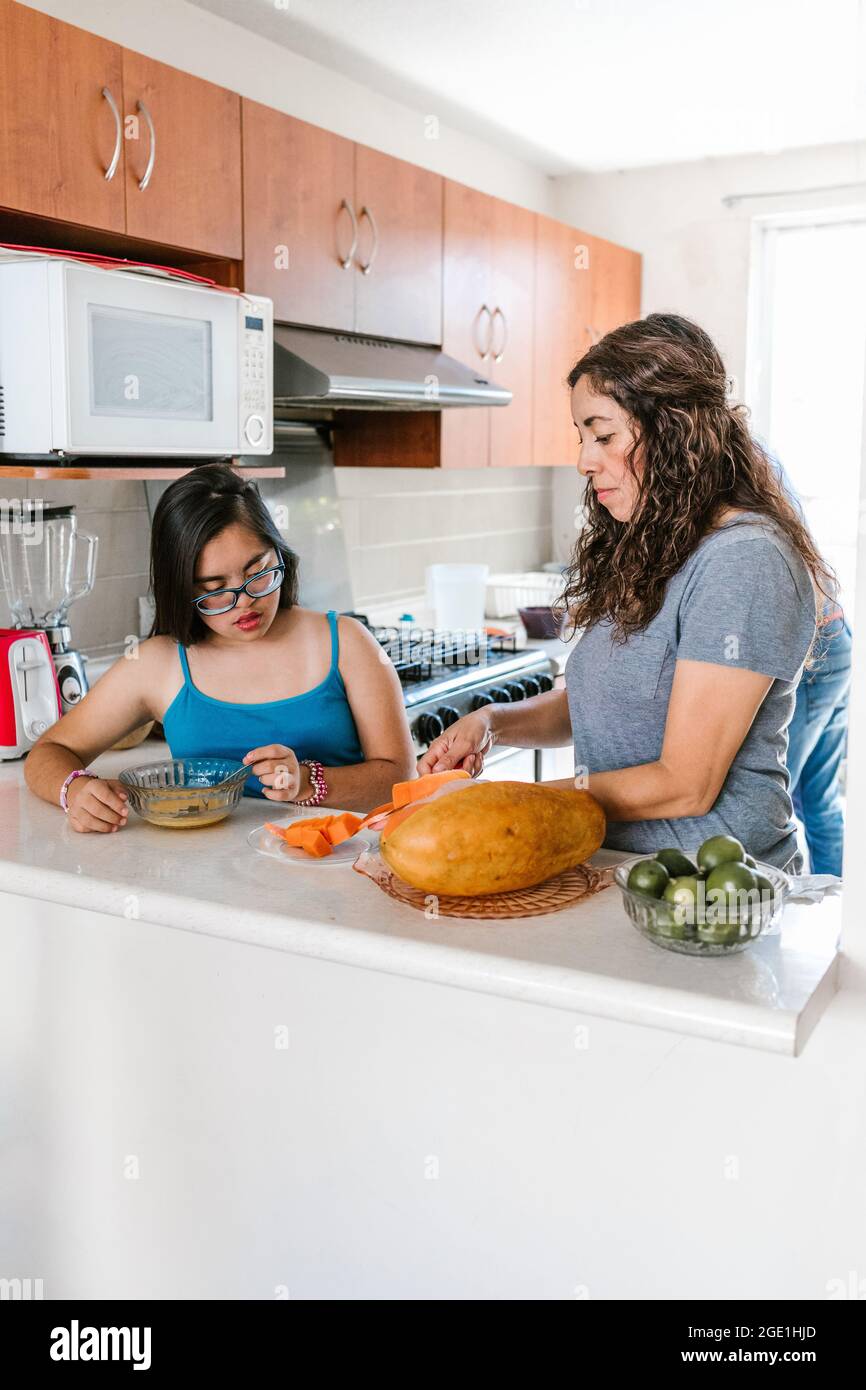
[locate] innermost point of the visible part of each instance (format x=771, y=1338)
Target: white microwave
x=108, y=362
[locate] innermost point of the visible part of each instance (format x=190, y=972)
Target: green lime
x=676, y=863
x=720, y=849
x=650, y=877
x=719, y=933
x=731, y=892
x=683, y=893
x=665, y=921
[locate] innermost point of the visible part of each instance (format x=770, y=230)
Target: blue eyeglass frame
x=241, y=589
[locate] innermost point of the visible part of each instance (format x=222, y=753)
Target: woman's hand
x=96, y=804
x=463, y=745
x=278, y=770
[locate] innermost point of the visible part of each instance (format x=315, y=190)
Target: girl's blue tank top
x=316, y=724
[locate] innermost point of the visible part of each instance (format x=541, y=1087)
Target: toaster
x=29, y=693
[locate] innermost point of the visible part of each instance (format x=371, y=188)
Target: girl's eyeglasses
x=224, y=600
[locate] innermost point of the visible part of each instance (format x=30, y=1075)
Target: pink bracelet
x=320, y=786
x=79, y=772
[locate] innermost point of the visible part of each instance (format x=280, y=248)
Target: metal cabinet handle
x=485, y=352
x=151, y=158
x=118, y=133
x=346, y=261
x=368, y=266
x=497, y=312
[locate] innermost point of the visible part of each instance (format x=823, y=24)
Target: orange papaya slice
x=402, y=793
x=343, y=827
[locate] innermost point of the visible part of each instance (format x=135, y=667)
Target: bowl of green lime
x=712, y=902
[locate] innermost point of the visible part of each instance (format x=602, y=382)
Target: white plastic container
x=456, y=593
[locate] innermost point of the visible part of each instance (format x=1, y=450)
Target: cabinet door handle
x=346, y=261
x=118, y=133
x=497, y=312
x=483, y=353
x=151, y=158
x=366, y=267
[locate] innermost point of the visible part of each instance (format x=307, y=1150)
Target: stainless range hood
x=318, y=371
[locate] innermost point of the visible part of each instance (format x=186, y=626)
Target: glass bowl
x=721, y=933
x=185, y=792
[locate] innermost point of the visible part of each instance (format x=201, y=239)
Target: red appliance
x=29, y=693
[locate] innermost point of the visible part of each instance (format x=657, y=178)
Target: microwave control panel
x=256, y=370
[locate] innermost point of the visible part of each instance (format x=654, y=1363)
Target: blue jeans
x=817, y=737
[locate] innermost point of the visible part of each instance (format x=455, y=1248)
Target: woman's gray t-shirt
x=743, y=598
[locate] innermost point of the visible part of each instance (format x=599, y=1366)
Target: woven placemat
x=563, y=890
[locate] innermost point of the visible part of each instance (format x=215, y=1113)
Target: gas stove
x=446, y=674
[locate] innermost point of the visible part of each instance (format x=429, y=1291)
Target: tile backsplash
x=364, y=535
x=399, y=520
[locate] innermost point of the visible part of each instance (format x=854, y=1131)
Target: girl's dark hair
x=190, y=513
x=697, y=458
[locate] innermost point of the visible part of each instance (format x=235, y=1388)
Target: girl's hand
x=96, y=804
x=278, y=771
x=463, y=745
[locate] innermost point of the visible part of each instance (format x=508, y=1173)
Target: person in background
x=817, y=734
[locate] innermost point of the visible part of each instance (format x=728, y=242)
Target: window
x=806, y=370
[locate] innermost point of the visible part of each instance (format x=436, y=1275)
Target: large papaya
x=494, y=837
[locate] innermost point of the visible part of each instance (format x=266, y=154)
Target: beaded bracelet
x=79, y=772
x=320, y=786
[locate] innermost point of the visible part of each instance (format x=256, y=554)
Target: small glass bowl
x=186, y=792
x=657, y=920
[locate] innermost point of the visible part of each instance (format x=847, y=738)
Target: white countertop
x=588, y=959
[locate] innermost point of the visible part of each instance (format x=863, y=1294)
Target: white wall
x=210, y=47
x=696, y=250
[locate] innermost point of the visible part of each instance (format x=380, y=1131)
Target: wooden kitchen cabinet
x=512, y=331
x=488, y=274
x=398, y=285
x=615, y=286
x=339, y=235
x=58, y=132
x=297, y=229
x=563, y=299
x=189, y=137
x=467, y=315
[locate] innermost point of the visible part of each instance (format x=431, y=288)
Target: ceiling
x=596, y=84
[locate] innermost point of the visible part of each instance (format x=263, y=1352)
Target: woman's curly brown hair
x=694, y=456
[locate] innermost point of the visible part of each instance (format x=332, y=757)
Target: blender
x=46, y=564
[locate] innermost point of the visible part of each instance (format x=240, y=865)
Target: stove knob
x=480, y=700
x=428, y=728
x=531, y=686
x=448, y=714
x=545, y=682
x=515, y=690
x=500, y=695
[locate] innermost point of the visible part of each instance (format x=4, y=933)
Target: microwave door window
x=149, y=366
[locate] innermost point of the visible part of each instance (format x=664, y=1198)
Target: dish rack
x=506, y=593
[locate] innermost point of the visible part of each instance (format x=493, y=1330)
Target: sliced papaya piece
x=343, y=827
x=402, y=793
x=309, y=835
x=376, y=811
x=282, y=830
x=310, y=839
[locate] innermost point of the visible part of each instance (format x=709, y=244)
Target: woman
x=696, y=587
x=235, y=667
